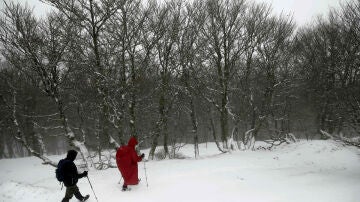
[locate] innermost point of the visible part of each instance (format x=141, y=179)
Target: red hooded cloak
x=127, y=162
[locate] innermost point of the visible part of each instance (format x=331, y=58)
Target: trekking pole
x=147, y=185
x=92, y=188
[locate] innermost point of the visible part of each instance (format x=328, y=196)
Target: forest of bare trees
x=93, y=73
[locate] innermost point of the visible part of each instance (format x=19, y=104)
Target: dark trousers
x=70, y=192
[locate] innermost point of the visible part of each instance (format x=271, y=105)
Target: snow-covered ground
x=307, y=171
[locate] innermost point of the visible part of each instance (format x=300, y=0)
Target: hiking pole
x=147, y=185
x=92, y=188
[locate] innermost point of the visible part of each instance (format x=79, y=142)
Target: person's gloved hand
x=85, y=173
x=142, y=155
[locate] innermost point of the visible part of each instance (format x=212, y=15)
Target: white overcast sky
x=303, y=11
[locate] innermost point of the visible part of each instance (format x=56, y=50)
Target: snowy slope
x=314, y=171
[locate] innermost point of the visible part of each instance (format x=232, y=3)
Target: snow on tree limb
x=326, y=134
x=20, y=137
x=249, y=140
x=355, y=141
x=84, y=153
x=113, y=142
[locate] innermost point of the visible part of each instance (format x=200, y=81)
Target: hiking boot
x=85, y=198
x=124, y=187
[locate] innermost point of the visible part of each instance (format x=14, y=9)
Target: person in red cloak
x=127, y=162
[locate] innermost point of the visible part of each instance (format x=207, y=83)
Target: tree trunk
x=69, y=134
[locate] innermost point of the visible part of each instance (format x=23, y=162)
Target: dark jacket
x=69, y=169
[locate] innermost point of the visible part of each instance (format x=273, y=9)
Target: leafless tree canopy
x=92, y=73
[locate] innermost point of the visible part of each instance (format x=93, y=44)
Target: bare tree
x=132, y=47
x=329, y=58
x=36, y=50
x=92, y=16
x=170, y=20
x=190, y=58
x=273, y=62
x=255, y=34
x=223, y=32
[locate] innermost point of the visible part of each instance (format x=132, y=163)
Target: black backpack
x=59, y=170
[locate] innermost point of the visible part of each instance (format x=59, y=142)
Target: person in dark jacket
x=71, y=177
x=127, y=162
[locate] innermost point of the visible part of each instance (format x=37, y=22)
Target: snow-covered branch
x=212, y=102
x=228, y=108
x=20, y=137
x=41, y=116
x=355, y=141
x=113, y=142
x=47, y=128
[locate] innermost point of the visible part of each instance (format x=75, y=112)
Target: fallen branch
x=355, y=141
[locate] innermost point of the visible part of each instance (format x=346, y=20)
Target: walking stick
x=92, y=188
x=147, y=185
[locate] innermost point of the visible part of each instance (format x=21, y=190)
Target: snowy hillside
x=314, y=171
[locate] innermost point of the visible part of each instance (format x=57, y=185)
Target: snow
x=311, y=171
